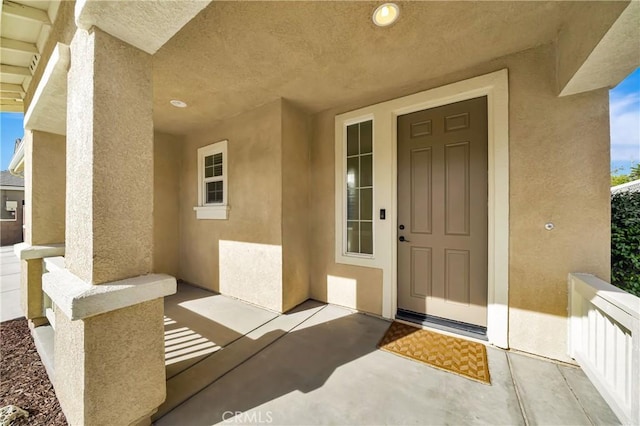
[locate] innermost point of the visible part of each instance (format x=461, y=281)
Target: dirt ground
x=23, y=379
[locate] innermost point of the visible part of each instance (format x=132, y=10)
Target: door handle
x=403, y=239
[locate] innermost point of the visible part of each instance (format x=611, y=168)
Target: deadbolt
x=401, y=226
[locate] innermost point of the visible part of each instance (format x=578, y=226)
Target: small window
x=359, y=188
x=214, y=179
x=212, y=182
x=8, y=209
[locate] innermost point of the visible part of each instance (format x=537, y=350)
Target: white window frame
x=342, y=255
x=205, y=210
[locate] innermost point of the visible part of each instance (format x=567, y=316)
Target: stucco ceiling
x=234, y=56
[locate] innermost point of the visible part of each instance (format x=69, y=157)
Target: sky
x=10, y=130
x=624, y=111
x=624, y=114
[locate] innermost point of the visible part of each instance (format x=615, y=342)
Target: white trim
x=495, y=86
x=212, y=212
x=78, y=299
x=218, y=211
x=11, y=188
x=17, y=159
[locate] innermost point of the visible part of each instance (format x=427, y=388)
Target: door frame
x=495, y=86
x=477, y=155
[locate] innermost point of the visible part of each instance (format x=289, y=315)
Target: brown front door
x=442, y=212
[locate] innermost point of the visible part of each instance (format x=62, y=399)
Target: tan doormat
x=458, y=356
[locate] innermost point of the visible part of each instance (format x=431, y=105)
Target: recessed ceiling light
x=386, y=14
x=178, y=103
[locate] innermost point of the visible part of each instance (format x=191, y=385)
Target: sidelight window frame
x=343, y=255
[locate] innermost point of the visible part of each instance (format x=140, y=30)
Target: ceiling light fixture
x=386, y=14
x=178, y=103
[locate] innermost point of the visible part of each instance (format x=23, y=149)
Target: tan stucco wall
x=253, y=230
x=95, y=382
x=45, y=180
x=559, y=161
x=351, y=286
x=62, y=31
x=109, y=233
x=582, y=32
x=559, y=168
x=166, y=203
x=260, y=253
x=295, y=205
x=31, y=288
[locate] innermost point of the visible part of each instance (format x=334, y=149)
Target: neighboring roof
x=633, y=186
x=7, y=179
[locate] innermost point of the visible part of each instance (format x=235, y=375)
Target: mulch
x=23, y=379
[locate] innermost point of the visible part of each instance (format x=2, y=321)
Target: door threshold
x=450, y=326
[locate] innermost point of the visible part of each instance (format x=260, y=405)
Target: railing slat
x=621, y=361
x=600, y=342
x=611, y=359
x=591, y=328
x=629, y=361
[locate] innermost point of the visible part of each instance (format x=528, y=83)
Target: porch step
x=191, y=381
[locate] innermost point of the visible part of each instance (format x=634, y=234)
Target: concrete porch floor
x=231, y=362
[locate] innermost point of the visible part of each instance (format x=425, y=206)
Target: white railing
x=604, y=338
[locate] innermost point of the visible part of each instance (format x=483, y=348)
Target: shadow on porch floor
x=228, y=361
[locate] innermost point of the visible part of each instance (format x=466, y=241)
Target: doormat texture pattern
x=458, y=356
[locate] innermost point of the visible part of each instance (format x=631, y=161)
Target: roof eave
x=16, y=165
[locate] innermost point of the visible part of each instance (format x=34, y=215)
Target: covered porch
x=319, y=364
x=248, y=190
x=228, y=360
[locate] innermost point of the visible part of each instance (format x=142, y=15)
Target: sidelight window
x=359, y=188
